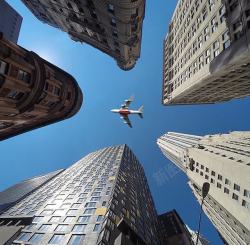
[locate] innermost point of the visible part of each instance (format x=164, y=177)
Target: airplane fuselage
x=125, y=111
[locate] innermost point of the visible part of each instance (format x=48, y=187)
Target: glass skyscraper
x=102, y=199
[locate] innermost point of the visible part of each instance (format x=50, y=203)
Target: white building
x=206, y=52
x=223, y=160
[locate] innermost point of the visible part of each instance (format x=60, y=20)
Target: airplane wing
x=127, y=121
x=127, y=102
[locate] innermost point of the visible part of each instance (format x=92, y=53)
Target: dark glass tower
x=102, y=199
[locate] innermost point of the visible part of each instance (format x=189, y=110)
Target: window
x=201, y=64
x=97, y=227
x=219, y=177
x=211, y=4
x=57, y=91
x=245, y=204
x=100, y=218
x=214, y=24
x=204, y=13
x=96, y=194
x=83, y=195
x=235, y=197
x=104, y=203
x=227, y=182
x=113, y=22
x=56, y=239
x=226, y=190
x=61, y=228
x=79, y=228
x=213, y=173
x=45, y=227
x=30, y=227
x=206, y=177
x=24, y=236
x=222, y=13
x=111, y=8
x=24, y=76
x=226, y=40
x=54, y=219
x=72, y=211
x=83, y=219
x=236, y=187
x=76, y=205
x=200, y=41
x=216, y=47
x=219, y=185
x=69, y=219
x=37, y=237
x=65, y=205
x=90, y=204
x=3, y=67
x=59, y=212
x=4, y=125
x=89, y=211
x=15, y=95
x=48, y=87
x=76, y=239
x=38, y=219
x=207, y=56
x=247, y=193
x=207, y=170
x=115, y=33
x=206, y=33
x=95, y=199
x=81, y=200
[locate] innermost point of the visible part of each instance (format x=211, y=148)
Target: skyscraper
x=15, y=193
x=173, y=229
x=223, y=160
x=33, y=92
x=102, y=199
x=10, y=22
x=206, y=52
x=114, y=27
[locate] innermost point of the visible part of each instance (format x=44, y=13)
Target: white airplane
x=124, y=111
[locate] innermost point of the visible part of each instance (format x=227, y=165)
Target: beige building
x=33, y=92
x=206, y=52
x=114, y=27
x=223, y=160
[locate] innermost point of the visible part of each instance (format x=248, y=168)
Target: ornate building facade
x=33, y=92
x=114, y=27
x=223, y=160
x=206, y=52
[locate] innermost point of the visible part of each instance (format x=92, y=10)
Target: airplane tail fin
x=141, y=111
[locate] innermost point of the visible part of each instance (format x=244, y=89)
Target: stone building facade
x=223, y=160
x=33, y=92
x=206, y=52
x=114, y=27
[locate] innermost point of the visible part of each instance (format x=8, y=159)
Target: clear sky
x=105, y=87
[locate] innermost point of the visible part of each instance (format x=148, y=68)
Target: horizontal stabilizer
x=140, y=112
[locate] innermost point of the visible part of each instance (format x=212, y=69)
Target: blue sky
x=105, y=86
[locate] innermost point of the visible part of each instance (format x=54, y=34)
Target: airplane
x=124, y=111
